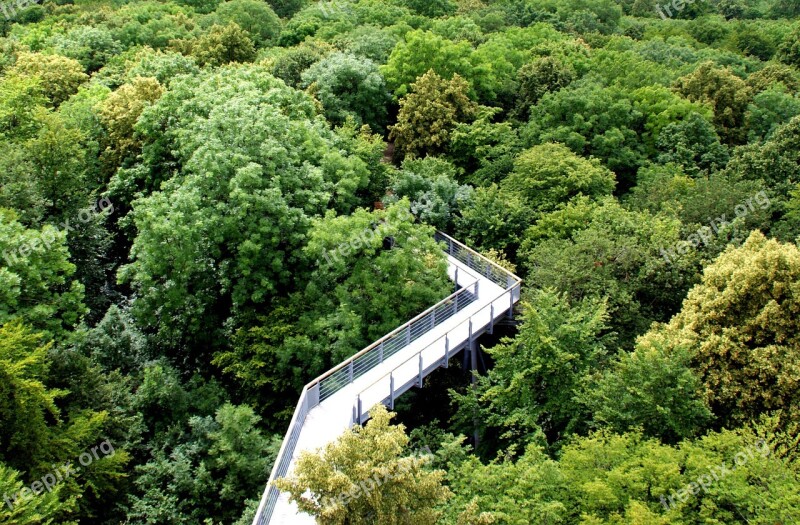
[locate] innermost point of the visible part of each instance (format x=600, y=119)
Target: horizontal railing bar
x=417, y=354
x=287, y=445
x=387, y=336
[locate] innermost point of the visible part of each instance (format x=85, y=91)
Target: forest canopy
x=205, y=204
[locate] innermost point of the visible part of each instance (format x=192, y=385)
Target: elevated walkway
x=334, y=402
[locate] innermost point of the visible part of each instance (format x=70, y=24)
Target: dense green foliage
x=204, y=204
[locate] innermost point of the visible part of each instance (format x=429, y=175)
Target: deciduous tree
x=334, y=485
x=548, y=175
x=349, y=86
x=740, y=325
x=727, y=94
x=60, y=76
x=430, y=113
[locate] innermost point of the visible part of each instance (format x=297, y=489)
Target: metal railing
x=283, y=460
x=375, y=354
x=487, y=268
x=447, y=341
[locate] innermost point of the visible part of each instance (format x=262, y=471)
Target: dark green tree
x=260, y=22
x=727, y=94
x=349, y=86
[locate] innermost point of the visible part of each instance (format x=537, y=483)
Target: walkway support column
x=473, y=356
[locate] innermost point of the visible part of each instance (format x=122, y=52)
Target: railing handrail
x=512, y=280
x=510, y=289
x=282, y=452
x=463, y=246
x=344, y=364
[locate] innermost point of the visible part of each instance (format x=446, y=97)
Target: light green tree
x=623, y=479
x=653, y=389
x=91, y=46
x=537, y=375
x=548, y=175
x=592, y=120
x=40, y=510
x=21, y=100
x=255, y=168
x=422, y=52
x=60, y=76
x=493, y=218
x=366, y=477
x=599, y=249
x=29, y=404
x=257, y=18
x=36, y=278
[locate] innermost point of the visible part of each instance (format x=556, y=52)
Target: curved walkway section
x=334, y=402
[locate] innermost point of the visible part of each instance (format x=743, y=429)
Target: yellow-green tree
x=430, y=113
x=365, y=478
x=223, y=45
x=551, y=174
x=60, y=77
x=120, y=111
x=741, y=324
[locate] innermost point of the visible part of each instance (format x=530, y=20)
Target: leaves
x=430, y=113
x=365, y=477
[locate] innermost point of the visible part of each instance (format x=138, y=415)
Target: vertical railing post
x=313, y=396
x=391, y=391
x=408, y=334
x=433, y=318
x=350, y=371
x=380, y=352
